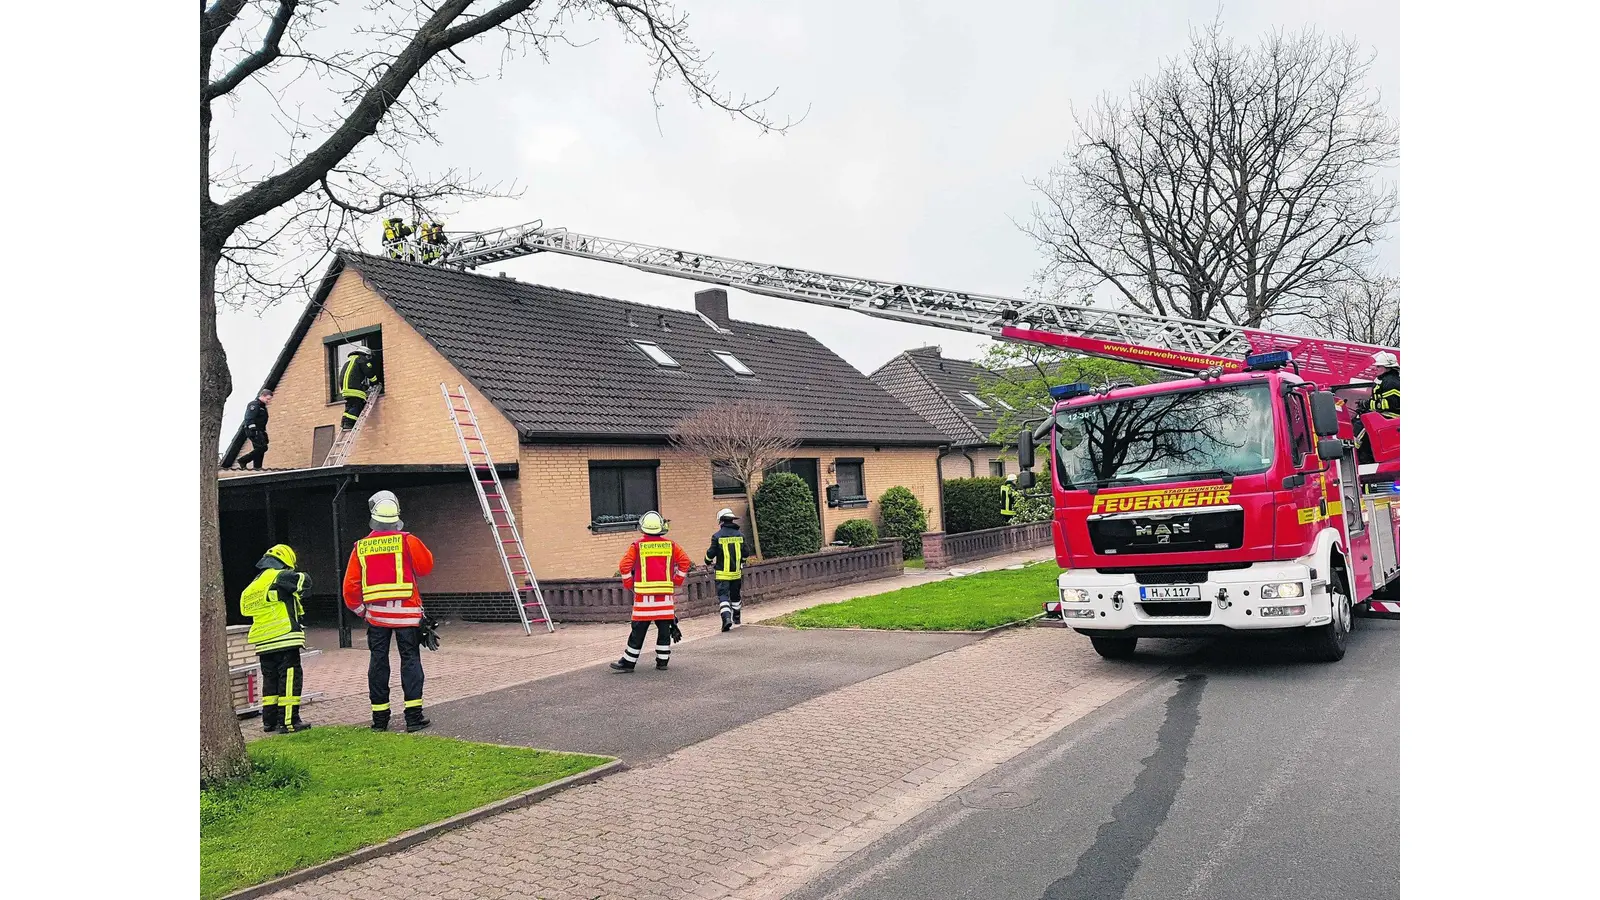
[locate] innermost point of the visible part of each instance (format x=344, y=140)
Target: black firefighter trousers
x=630, y=653
x=282, y=685
x=410, y=643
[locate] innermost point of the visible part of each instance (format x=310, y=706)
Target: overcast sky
x=926, y=118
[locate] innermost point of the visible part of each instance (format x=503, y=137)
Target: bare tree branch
x=258, y=60
x=746, y=437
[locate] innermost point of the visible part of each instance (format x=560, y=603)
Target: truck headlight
x=1282, y=590
x=1283, y=611
x=1074, y=595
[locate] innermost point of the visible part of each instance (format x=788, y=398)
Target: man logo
x=1163, y=532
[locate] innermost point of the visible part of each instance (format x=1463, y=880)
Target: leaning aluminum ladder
x=346, y=439
x=496, y=511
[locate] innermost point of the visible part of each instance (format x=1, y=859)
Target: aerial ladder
x=1156, y=341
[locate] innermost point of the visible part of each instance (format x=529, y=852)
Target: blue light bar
x=1257, y=362
x=1068, y=391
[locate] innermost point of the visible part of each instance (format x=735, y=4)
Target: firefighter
x=1385, y=400
x=432, y=238
x=277, y=631
x=357, y=379
x=1010, y=498
x=395, y=232
x=652, y=568
x=726, y=557
x=255, y=429
x=380, y=585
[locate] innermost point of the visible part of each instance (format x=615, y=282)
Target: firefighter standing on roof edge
x=1010, y=497
x=652, y=568
x=1385, y=399
x=380, y=585
x=357, y=379
x=278, y=631
x=726, y=557
x=255, y=429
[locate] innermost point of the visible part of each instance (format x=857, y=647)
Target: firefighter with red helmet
x=380, y=585
x=653, y=567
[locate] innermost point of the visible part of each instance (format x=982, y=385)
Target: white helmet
x=375, y=499
x=725, y=513
x=651, y=523
x=1386, y=360
x=360, y=347
x=386, y=513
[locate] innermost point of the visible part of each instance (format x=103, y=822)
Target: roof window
x=655, y=352
x=973, y=399
x=732, y=362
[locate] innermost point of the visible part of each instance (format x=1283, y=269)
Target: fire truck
x=1230, y=501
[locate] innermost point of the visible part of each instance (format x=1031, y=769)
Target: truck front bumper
x=1237, y=601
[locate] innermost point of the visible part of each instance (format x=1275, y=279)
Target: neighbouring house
x=946, y=392
x=576, y=395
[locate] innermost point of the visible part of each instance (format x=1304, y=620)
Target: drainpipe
x=972, y=467
x=938, y=464
x=338, y=583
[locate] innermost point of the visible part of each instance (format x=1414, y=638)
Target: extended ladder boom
x=1163, y=342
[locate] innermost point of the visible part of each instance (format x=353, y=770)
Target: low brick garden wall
x=940, y=550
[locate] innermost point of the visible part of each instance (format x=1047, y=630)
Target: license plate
x=1169, y=592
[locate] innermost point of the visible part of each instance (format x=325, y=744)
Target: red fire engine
x=1230, y=502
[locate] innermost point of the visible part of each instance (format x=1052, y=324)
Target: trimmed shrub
x=856, y=533
x=786, y=517
x=972, y=504
x=903, y=518
x=1036, y=508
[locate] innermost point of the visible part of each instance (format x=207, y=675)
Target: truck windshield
x=1165, y=437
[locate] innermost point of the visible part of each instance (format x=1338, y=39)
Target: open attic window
x=973, y=399
x=338, y=350
x=1005, y=404
x=658, y=355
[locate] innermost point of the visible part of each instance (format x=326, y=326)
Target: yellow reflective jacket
x=272, y=601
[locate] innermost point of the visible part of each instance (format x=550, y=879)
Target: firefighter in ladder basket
x=652, y=568
x=380, y=585
x=1385, y=400
x=357, y=380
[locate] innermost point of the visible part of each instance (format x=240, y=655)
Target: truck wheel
x=1114, y=647
x=1326, y=644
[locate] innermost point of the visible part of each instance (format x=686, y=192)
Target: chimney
x=713, y=304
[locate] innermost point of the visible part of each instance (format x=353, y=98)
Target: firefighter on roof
x=380, y=585
x=277, y=631
x=357, y=379
x=1010, y=498
x=255, y=429
x=652, y=568
x=726, y=557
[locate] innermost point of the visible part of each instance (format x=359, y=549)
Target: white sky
x=926, y=118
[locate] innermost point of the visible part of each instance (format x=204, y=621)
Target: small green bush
x=1036, y=507
x=903, y=518
x=856, y=533
x=972, y=504
x=786, y=516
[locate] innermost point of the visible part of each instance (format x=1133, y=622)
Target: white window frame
x=734, y=364
x=651, y=348
x=973, y=399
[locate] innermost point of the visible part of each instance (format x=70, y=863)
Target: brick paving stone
x=789, y=809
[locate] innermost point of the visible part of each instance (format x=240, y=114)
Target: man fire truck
x=1227, y=502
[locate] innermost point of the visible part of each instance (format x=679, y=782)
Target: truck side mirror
x=1329, y=449
x=1024, y=480
x=1324, y=414
x=1025, y=448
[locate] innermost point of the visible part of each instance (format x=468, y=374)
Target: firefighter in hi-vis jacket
x=278, y=631
x=726, y=557
x=380, y=585
x=652, y=568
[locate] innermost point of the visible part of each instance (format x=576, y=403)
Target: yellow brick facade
x=955, y=464
x=410, y=423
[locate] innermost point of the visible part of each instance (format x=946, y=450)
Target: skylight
x=1005, y=404
x=655, y=352
x=973, y=399
x=732, y=362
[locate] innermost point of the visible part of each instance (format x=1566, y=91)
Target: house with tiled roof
x=948, y=394
x=576, y=395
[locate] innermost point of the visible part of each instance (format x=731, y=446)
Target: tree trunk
x=222, y=755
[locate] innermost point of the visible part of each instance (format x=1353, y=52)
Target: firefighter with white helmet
x=380, y=586
x=1385, y=398
x=357, y=379
x=653, y=567
x=726, y=557
x=1010, y=498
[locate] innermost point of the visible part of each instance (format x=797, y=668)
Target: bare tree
x=746, y=437
x=1366, y=312
x=1236, y=184
x=263, y=234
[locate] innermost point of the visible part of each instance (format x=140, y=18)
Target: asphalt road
x=711, y=686
x=1238, y=772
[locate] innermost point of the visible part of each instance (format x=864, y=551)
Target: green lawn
x=967, y=603
x=917, y=563
x=333, y=790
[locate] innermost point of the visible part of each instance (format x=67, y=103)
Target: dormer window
x=654, y=351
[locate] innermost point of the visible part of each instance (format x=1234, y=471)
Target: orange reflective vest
x=380, y=582
x=652, y=568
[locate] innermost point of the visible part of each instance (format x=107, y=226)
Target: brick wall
x=241, y=656
x=955, y=464
x=410, y=424
x=940, y=549
x=555, y=511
